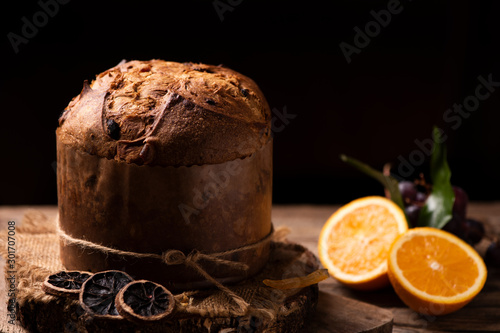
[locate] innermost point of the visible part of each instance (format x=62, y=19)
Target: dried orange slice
x=435, y=272
x=355, y=241
x=65, y=283
x=144, y=302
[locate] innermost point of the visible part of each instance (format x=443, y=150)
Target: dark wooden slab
x=337, y=314
x=305, y=222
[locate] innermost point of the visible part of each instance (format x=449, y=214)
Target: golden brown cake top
x=166, y=113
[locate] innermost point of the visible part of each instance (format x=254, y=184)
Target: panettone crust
x=168, y=114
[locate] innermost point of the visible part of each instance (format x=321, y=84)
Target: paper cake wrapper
x=210, y=208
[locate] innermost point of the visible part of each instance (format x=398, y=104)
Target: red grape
x=421, y=197
x=455, y=226
x=474, y=231
x=492, y=256
x=461, y=201
x=412, y=212
x=408, y=191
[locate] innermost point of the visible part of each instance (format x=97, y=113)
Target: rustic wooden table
x=305, y=222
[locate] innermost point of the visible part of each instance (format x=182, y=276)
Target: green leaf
x=389, y=182
x=437, y=210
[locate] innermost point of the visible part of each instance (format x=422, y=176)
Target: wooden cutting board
x=336, y=314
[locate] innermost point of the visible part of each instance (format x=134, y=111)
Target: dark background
x=426, y=59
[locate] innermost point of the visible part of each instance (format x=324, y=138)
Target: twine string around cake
x=177, y=257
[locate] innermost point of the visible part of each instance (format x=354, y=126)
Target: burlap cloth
x=272, y=310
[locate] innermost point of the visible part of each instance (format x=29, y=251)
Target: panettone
x=167, y=114
x=156, y=156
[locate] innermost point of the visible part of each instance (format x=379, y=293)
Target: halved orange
x=435, y=272
x=355, y=241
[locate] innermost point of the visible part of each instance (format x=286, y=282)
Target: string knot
x=174, y=257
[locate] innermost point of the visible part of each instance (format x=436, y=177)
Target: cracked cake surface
x=168, y=114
